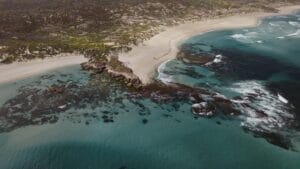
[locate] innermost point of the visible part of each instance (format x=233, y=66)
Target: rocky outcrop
x=98, y=67
x=203, y=109
x=116, y=69
x=200, y=59
x=130, y=79
x=56, y=89
x=203, y=103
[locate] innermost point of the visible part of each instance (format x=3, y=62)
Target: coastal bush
x=41, y=28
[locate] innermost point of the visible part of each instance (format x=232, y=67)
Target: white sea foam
x=218, y=59
x=245, y=38
x=239, y=36
x=259, y=41
x=165, y=78
x=280, y=37
x=297, y=24
x=282, y=99
x=274, y=24
x=296, y=34
x=261, y=109
x=251, y=34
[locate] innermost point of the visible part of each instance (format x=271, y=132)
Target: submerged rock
x=200, y=59
x=145, y=121
x=196, y=98
x=225, y=105
x=57, y=89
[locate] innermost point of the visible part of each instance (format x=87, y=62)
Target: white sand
x=21, y=70
x=145, y=58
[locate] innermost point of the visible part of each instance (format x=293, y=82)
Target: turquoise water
x=95, y=123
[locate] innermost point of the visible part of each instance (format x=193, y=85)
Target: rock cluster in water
x=39, y=104
x=199, y=58
x=116, y=69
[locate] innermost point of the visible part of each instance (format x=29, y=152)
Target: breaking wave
x=162, y=76
x=274, y=24
x=297, y=24
x=217, y=59
x=245, y=38
x=296, y=34
x=262, y=110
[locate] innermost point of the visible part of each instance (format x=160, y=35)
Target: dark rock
x=261, y=114
x=106, y=120
x=196, y=98
x=227, y=108
x=178, y=121
x=167, y=115
x=203, y=109
x=105, y=112
x=97, y=67
x=57, y=89
x=200, y=59
x=220, y=98
x=145, y=121
x=105, y=117
x=276, y=139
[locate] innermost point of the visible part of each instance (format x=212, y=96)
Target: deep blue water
x=95, y=124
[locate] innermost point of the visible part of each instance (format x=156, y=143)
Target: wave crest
x=162, y=76
x=261, y=109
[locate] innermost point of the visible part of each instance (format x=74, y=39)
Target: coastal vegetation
x=42, y=28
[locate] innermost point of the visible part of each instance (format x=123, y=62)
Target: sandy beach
x=145, y=58
x=21, y=70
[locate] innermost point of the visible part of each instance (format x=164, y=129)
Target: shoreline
x=21, y=70
x=145, y=58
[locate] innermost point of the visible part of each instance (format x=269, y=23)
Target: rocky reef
x=67, y=99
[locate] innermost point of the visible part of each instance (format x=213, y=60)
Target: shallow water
x=171, y=138
x=95, y=124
